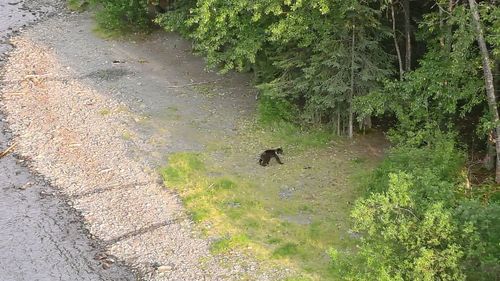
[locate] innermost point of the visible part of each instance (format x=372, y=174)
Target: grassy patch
x=106, y=33
x=288, y=249
x=227, y=243
x=287, y=214
x=293, y=135
x=279, y=119
x=77, y=5
x=182, y=166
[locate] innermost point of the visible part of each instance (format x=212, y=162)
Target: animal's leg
x=277, y=159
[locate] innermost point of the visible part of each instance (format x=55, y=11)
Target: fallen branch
x=5, y=152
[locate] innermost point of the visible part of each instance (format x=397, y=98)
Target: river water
x=41, y=237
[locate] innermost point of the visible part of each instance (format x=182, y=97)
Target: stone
x=164, y=268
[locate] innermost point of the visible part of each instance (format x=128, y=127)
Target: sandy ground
x=95, y=117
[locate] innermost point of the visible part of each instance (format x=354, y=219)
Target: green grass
x=291, y=134
x=225, y=244
x=77, y=5
x=287, y=249
x=279, y=119
x=107, y=33
x=240, y=205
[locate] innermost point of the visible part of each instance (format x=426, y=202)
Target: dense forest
x=426, y=72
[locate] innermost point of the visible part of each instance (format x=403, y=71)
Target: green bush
x=432, y=165
x=275, y=110
x=417, y=225
x=123, y=15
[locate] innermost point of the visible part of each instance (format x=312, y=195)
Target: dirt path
x=97, y=117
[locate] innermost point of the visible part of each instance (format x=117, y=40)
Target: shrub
x=417, y=225
x=123, y=15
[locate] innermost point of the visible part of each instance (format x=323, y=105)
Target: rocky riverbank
x=95, y=116
x=41, y=237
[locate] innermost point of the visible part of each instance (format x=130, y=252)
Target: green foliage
x=281, y=117
x=275, y=110
x=320, y=57
x=296, y=48
x=416, y=224
x=228, y=33
x=122, y=16
x=431, y=165
x=418, y=221
x=483, y=258
x=419, y=243
x=175, y=20
x=444, y=88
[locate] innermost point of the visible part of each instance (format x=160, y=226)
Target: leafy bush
x=436, y=164
x=271, y=110
x=417, y=225
x=176, y=19
x=483, y=259
x=123, y=15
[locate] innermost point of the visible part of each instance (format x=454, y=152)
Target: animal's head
x=279, y=150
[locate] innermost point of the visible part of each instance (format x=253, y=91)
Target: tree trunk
x=407, y=24
x=368, y=122
x=488, y=79
x=351, y=93
x=396, y=45
x=489, y=158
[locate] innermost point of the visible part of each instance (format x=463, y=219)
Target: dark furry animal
x=266, y=156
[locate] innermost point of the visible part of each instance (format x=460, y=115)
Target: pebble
x=164, y=268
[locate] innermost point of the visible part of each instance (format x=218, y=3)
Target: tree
x=489, y=84
x=328, y=59
x=395, y=37
x=408, y=33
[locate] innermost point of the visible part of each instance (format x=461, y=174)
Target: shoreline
x=41, y=229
